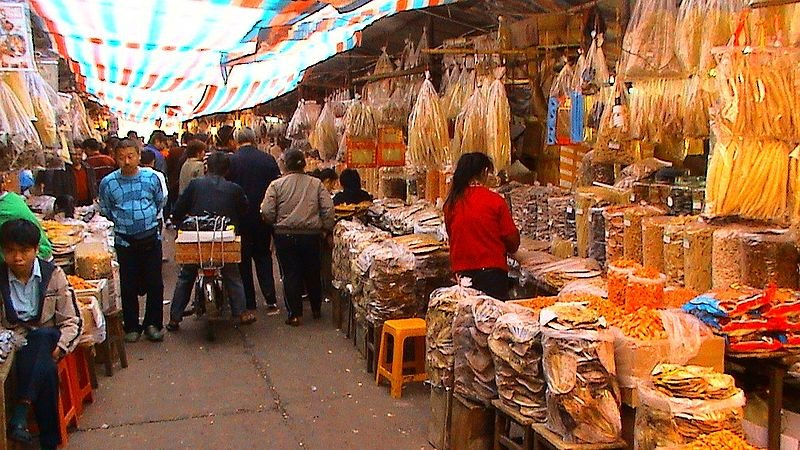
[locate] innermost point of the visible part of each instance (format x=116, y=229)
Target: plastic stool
x=81, y=379
x=395, y=369
x=67, y=414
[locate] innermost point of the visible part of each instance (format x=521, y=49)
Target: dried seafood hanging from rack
x=428, y=139
x=303, y=120
x=360, y=121
x=440, y=354
x=323, y=138
x=46, y=107
x=649, y=43
x=516, y=348
x=470, y=129
x=458, y=93
x=498, y=123
x=17, y=130
x=378, y=93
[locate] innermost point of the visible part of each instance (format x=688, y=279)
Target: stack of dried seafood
x=431, y=264
x=474, y=368
x=402, y=220
x=349, y=237
x=389, y=288
x=684, y=403
x=578, y=362
x=516, y=347
x=560, y=217
x=440, y=355
x=556, y=274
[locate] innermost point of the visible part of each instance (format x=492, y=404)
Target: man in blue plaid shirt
x=132, y=198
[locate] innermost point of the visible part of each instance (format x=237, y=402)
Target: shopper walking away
x=254, y=170
x=302, y=212
x=158, y=142
x=39, y=306
x=351, y=192
x=193, y=167
x=132, y=198
x=210, y=195
x=480, y=227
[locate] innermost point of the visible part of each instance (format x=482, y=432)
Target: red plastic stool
x=80, y=378
x=67, y=412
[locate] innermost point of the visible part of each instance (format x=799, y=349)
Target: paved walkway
x=265, y=386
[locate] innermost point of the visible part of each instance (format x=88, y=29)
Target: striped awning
x=199, y=57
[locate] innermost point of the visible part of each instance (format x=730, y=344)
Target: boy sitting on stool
x=37, y=304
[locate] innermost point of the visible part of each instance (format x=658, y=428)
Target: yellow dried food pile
x=79, y=283
x=642, y=324
x=719, y=440
x=537, y=303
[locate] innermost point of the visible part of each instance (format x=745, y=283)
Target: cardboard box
x=227, y=253
x=635, y=360
x=102, y=292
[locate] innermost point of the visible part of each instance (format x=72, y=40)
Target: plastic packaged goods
x=633, y=230
x=378, y=93
x=474, y=367
x=595, y=72
x=428, y=140
x=389, y=289
x=615, y=231
x=24, y=140
x=748, y=178
x=664, y=421
x=393, y=183
x=323, y=138
x=769, y=257
x=679, y=202
x=645, y=288
x=657, y=108
x=516, y=348
x=649, y=42
x=719, y=440
x=45, y=103
x=653, y=241
x=440, y=355
x=459, y=92
x=756, y=92
x=498, y=123
x=794, y=25
x=673, y=252
x=618, y=274
x=582, y=392
x=726, y=257
x=94, y=322
x=597, y=235
x=16, y=82
x=303, y=120
x=698, y=243
x=470, y=126
x=559, y=120
x=689, y=33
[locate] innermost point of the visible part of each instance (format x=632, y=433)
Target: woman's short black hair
x=21, y=232
x=350, y=179
x=328, y=174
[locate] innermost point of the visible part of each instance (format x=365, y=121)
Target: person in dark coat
x=254, y=170
x=352, y=193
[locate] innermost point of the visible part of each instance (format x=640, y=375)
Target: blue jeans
x=37, y=377
x=231, y=279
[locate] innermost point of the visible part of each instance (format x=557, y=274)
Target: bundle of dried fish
x=663, y=420
x=516, y=348
x=578, y=364
x=389, y=290
x=560, y=221
x=348, y=237
x=693, y=382
x=556, y=273
x=360, y=121
x=428, y=139
x=440, y=354
x=474, y=367
x=403, y=220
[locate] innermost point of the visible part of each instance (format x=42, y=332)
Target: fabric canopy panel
x=201, y=57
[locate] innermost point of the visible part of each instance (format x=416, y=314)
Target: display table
x=544, y=438
x=771, y=363
x=504, y=419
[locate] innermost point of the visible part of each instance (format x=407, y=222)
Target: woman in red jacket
x=480, y=227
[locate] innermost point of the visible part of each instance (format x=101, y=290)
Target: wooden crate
x=187, y=252
x=441, y=418
x=472, y=426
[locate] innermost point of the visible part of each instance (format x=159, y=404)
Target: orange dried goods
x=646, y=290
x=677, y=297
x=642, y=324
x=719, y=440
x=537, y=303
x=618, y=273
x=647, y=272
x=79, y=283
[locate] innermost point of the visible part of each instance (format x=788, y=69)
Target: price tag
x=633, y=198
x=569, y=209
x=697, y=205
x=686, y=243
x=667, y=240
x=607, y=234
x=670, y=202
x=540, y=210
x=590, y=218
x=626, y=223
x=579, y=212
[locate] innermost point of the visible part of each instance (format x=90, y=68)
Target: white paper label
x=633, y=198
x=685, y=243
x=626, y=223
x=607, y=234
x=669, y=202
x=540, y=210
x=667, y=240
x=569, y=210
x=697, y=205
x=550, y=223
x=590, y=218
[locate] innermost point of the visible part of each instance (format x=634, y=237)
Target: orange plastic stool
x=80, y=378
x=396, y=369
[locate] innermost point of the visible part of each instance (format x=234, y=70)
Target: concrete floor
x=263, y=386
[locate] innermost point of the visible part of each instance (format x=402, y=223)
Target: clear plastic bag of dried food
x=428, y=138
x=390, y=288
x=663, y=421
x=303, y=120
x=649, y=43
x=323, y=138
x=359, y=122
x=377, y=93
x=769, y=256
x=686, y=334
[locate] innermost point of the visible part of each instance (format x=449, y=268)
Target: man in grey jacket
x=301, y=211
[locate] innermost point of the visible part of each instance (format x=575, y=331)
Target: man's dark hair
x=157, y=136
x=21, y=232
x=196, y=149
x=92, y=145
x=350, y=180
x=132, y=135
x=148, y=157
x=328, y=174
x=218, y=164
